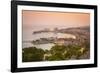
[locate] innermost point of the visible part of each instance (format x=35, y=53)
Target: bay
x=29, y=36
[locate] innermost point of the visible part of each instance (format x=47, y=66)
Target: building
x=66, y=41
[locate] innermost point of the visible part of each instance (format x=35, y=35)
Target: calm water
x=28, y=36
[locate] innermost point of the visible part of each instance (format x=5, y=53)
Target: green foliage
x=58, y=49
x=61, y=52
x=56, y=57
x=56, y=53
x=32, y=54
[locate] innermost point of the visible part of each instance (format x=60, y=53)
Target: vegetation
x=32, y=54
x=56, y=53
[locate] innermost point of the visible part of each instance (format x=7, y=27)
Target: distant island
x=66, y=30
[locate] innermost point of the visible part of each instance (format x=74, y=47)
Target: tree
x=32, y=54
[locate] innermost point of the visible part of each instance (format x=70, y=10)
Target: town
x=81, y=35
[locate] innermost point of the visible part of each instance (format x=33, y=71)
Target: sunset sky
x=39, y=19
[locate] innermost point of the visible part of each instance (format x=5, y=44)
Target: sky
x=40, y=19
